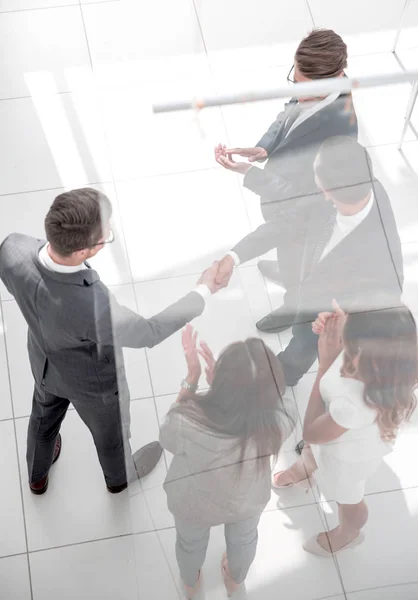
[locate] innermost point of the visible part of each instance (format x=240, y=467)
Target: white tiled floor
x=76, y=88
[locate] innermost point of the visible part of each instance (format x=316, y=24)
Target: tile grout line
x=69, y=5
x=19, y=473
x=311, y=13
x=98, y=540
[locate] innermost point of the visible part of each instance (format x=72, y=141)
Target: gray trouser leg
x=191, y=545
x=241, y=545
x=48, y=412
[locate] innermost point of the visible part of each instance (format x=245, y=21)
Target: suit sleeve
x=268, y=139
x=258, y=242
x=118, y=325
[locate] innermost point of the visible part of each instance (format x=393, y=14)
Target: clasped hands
x=224, y=157
x=219, y=274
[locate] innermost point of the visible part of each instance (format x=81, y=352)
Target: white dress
x=345, y=464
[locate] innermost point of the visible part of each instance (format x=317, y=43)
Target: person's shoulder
x=17, y=248
x=21, y=240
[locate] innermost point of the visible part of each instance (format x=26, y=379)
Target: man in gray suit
x=76, y=331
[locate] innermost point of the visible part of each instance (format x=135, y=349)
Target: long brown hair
x=385, y=345
x=244, y=400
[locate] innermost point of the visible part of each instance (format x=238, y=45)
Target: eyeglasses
x=290, y=77
x=109, y=240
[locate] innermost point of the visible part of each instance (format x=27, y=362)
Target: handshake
x=218, y=275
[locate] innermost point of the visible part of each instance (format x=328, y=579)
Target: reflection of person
x=351, y=251
x=76, y=333
x=359, y=399
x=292, y=141
x=222, y=441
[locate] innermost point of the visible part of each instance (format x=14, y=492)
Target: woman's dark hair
x=75, y=220
x=321, y=54
x=344, y=169
x=245, y=399
x=385, y=342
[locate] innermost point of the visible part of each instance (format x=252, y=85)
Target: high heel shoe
x=231, y=585
x=313, y=546
x=192, y=591
x=304, y=484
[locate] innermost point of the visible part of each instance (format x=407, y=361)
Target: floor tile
x=280, y=562
x=407, y=591
x=76, y=491
x=67, y=146
x=232, y=310
x=386, y=565
x=371, y=103
x=12, y=540
x=398, y=172
x=36, y=42
x=14, y=578
x=19, y=368
x=397, y=470
x=103, y=570
x=263, y=30
x=143, y=144
x=6, y=402
x=387, y=102
x=366, y=28
x=128, y=568
x=16, y=5
x=198, y=217
x=126, y=42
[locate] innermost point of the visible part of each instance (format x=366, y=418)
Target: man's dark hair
x=75, y=220
x=321, y=54
x=344, y=169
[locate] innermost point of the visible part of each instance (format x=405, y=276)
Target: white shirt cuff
x=203, y=291
x=234, y=257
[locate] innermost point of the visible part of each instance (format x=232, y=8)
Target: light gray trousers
x=192, y=542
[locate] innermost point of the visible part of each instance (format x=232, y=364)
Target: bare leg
x=301, y=469
x=353, y=518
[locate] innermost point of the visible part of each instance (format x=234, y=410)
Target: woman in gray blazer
x=222, y=441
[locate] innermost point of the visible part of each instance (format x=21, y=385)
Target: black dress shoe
x=41, y=486
x=277, y=321
x=147, y=458
x=116, y=489
x=270, y=269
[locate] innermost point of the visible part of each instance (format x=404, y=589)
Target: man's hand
x=253, y=154
x=225, y=270
x=209, y=277
x=226, y=161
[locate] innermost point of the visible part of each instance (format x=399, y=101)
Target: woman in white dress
x=363, y=391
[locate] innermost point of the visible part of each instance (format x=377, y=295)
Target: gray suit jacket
x=76, y=327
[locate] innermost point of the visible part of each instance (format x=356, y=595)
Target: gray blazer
x=76, y=329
